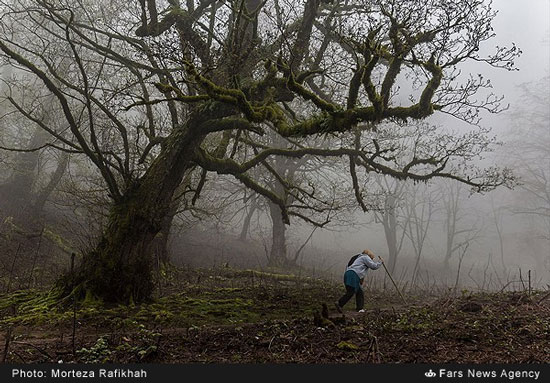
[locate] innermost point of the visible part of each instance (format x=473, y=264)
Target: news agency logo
x=430, y=374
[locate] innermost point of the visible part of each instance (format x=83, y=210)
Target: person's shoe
x=338, y=308
x=361, y=311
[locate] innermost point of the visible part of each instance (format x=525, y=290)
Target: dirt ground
x=245, y=316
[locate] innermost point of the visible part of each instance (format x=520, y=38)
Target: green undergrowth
x=227, y=297
x=31, y=307
x=243, y=316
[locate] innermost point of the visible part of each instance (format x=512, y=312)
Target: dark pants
x=359, y=297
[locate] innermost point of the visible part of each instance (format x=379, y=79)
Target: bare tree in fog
x=250, y=200
x=156, y=90
x=421, y=205
x=390, y=216
x=24, y=192
x=531, y=153
x=404, y=212
x=528, y=152
x=327, y=202
x=459, y=230
x=327, y=205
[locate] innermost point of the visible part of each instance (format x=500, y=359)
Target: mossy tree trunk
x=119, y=269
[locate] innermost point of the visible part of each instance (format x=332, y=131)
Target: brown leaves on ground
x=479, y=328
x=499, y=332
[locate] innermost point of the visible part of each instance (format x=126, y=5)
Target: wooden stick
x=389, y=275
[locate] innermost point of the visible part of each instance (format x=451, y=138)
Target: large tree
x=159, y=89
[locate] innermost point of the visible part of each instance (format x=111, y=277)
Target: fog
x=525, y=239
x=446, y=234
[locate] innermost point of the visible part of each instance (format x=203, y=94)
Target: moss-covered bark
x=119, y=268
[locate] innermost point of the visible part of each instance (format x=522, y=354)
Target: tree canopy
x=155, y=90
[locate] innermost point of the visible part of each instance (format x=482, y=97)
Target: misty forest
x=186, y=181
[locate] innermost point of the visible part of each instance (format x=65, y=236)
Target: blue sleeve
x=371, y=264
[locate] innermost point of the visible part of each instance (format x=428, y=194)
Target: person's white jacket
x=362, y=264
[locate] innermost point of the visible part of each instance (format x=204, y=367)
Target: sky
x=527, y=24
x=523, y=22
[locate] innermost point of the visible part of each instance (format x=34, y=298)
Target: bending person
x=354, y=278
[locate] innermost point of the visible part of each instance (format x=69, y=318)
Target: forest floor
x=244, y=316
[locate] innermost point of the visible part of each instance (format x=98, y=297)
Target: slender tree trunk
x=287, y=168
x=447, y=259
x=248, y=218
x=278, y=253
x=390, y=230
x=391, y=240
x=45, y=193
x=451, y=210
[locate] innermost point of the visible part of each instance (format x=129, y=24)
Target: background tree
x=22, y=194
x=527, y=149
x=421, y=207
x=390, y=216
x=531, y=154
x=458, y=230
